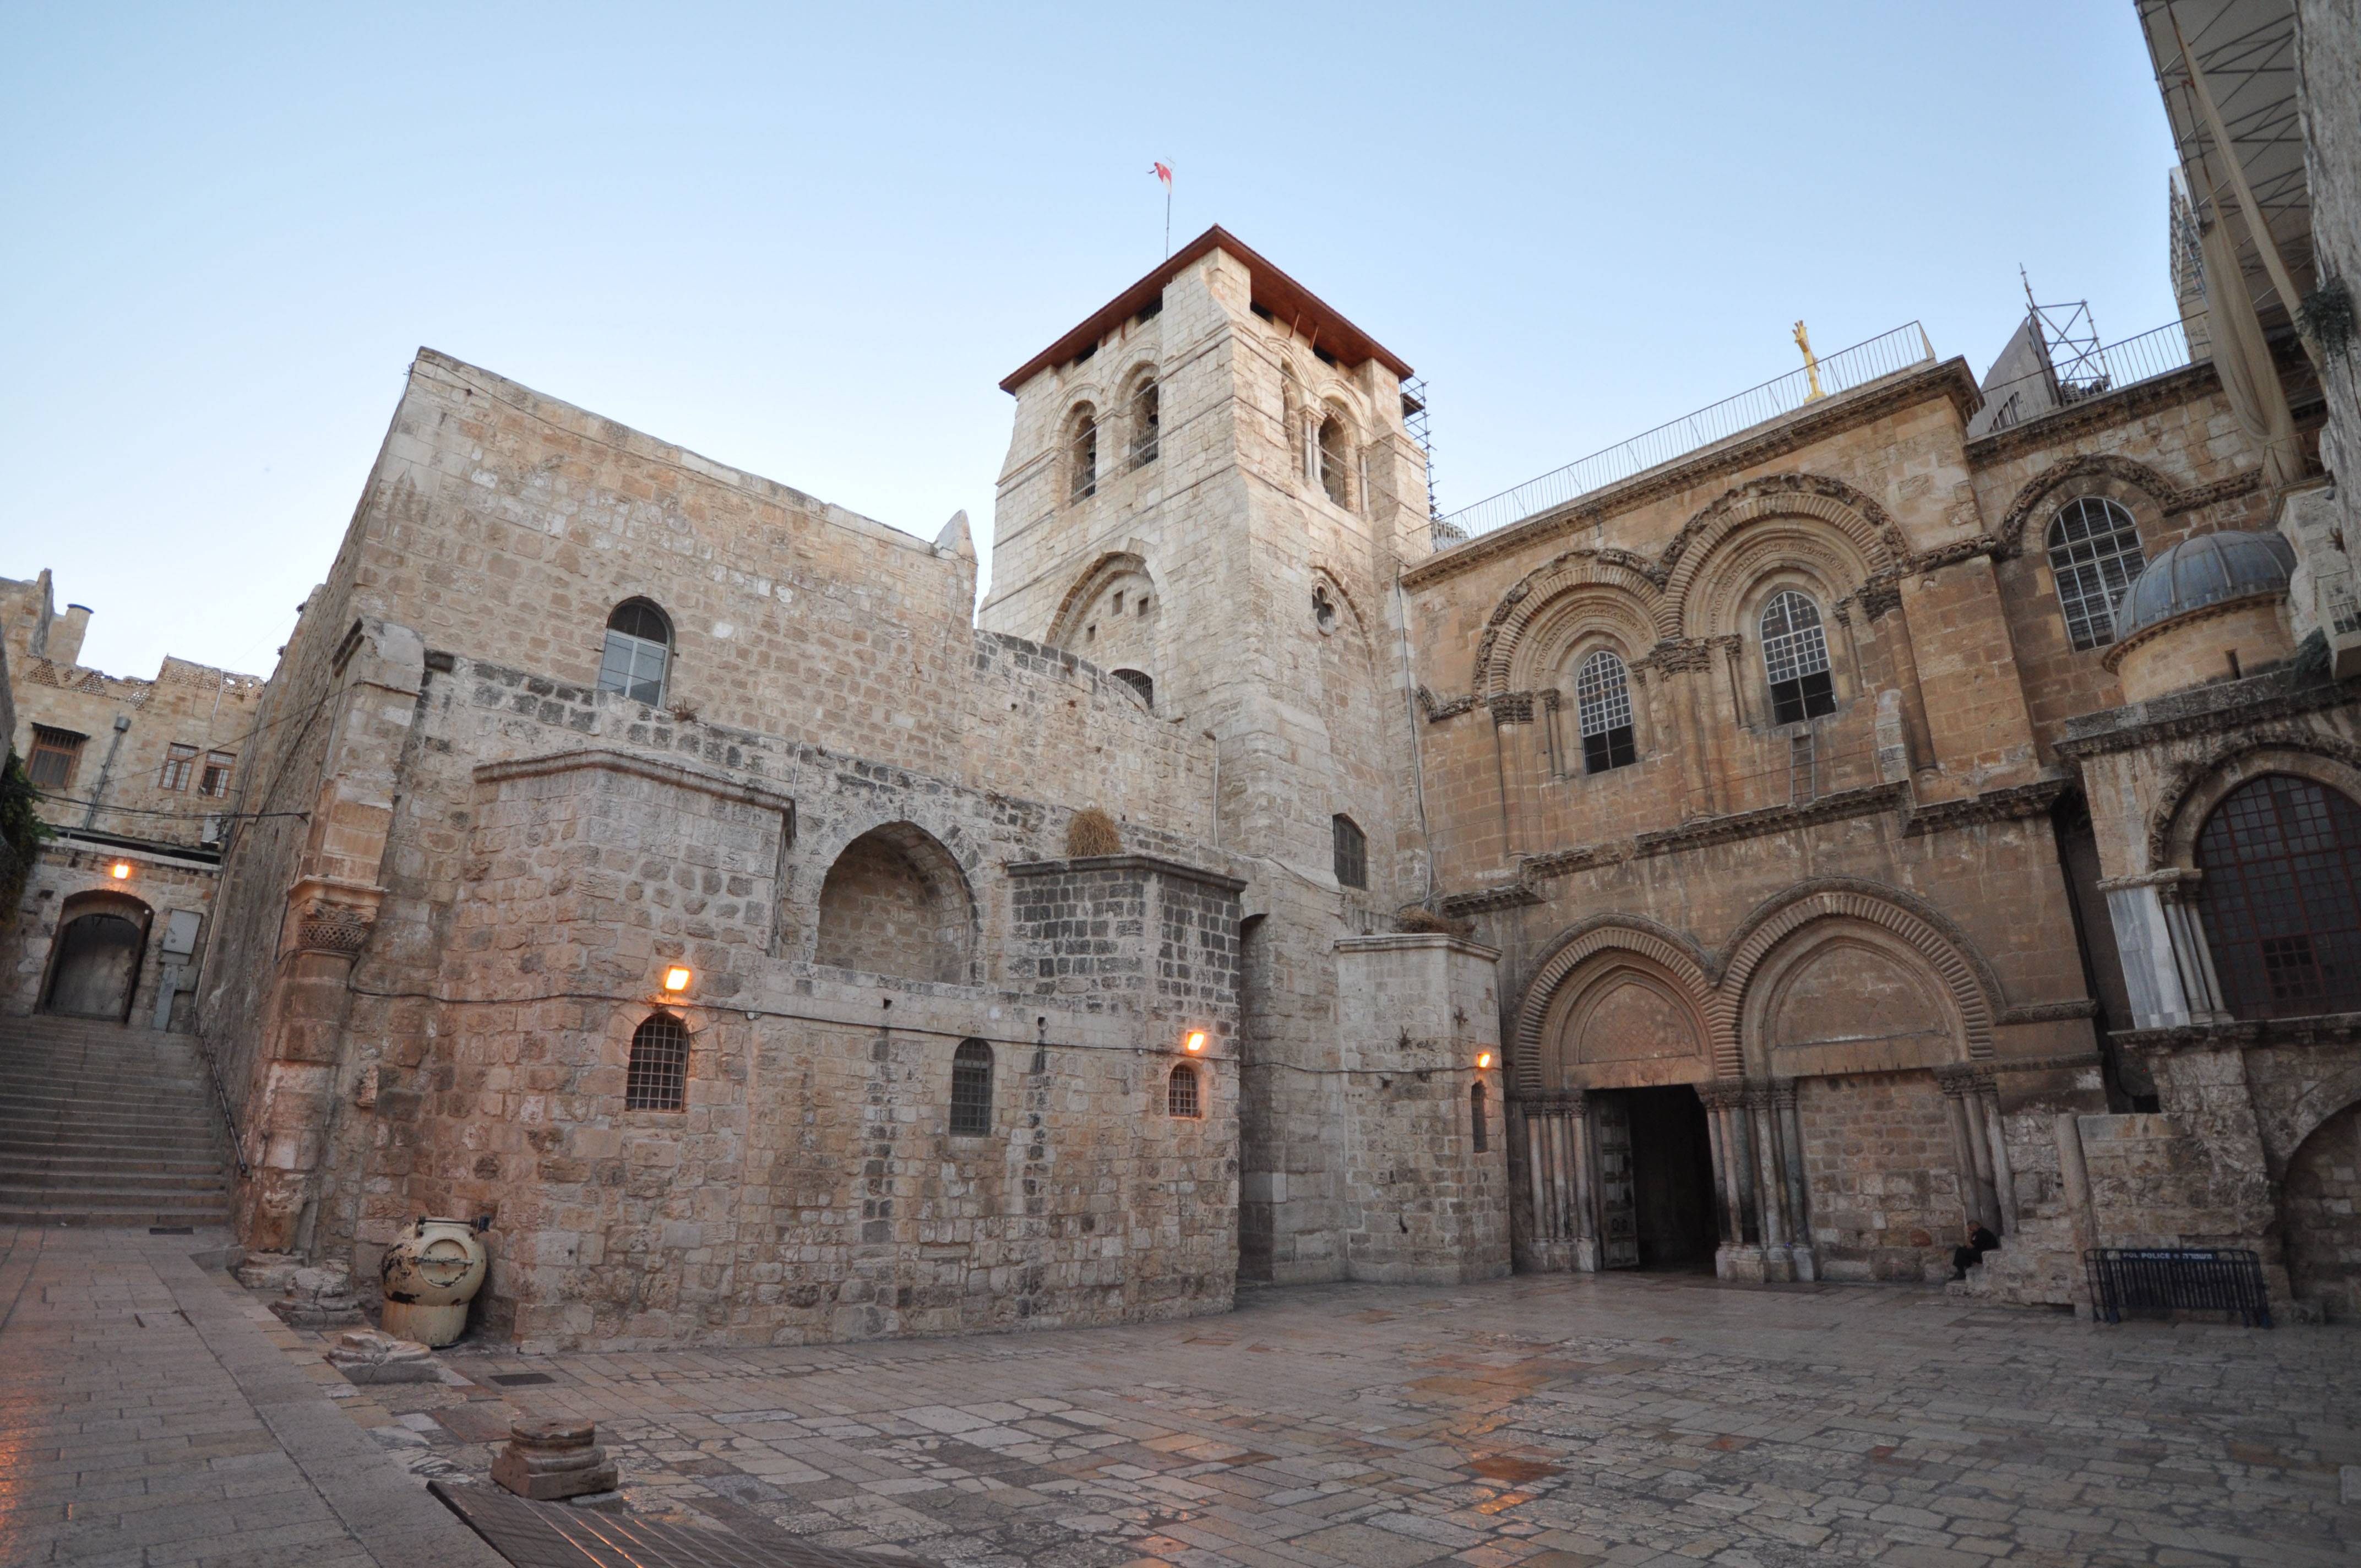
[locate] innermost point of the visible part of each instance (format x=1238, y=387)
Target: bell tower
x=1208, y=494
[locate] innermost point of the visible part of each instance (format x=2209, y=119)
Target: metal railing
x=2079, y=378
x=1900, y=349
x=2178, y=1279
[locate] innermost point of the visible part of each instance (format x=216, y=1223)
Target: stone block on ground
x=365, y=1355
x=550, y=1459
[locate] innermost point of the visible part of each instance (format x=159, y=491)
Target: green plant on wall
x=21, y=831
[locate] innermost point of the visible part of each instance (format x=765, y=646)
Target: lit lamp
x=1483, y=1059
x=1196, y=1043
x=676, y=979
x=122, y=871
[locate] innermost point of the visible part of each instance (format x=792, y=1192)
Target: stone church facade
x=1888, y=819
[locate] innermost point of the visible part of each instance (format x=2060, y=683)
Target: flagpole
x=1168, y=223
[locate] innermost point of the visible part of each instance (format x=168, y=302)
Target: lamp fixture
x=1483, y=1059
x=676, y=979
x=122, y=871
x=1194, y=1043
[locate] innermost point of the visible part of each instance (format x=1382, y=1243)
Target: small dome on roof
x=2208, y=569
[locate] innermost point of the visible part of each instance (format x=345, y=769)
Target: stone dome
x=2211, y=568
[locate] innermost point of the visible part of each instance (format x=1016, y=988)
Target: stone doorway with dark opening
x=1655, y=1179
x=94, y=964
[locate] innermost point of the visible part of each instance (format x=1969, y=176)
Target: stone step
x=13, y=1098
x=51, y=1200
x=80, y=1167
x=102, y=1219
x=114, y=1180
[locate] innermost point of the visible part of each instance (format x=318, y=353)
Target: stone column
x=1969, y=1147
x=2004, y=1183
x=1585, y=1226
x=1768, y=1183
x=2167, y=967
x=1791, y=1161
x=1740, y=1255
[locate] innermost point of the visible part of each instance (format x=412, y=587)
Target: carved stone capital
x=332, y=916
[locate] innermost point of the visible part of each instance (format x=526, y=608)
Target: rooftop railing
x=2079, y=377
x=1900, y=349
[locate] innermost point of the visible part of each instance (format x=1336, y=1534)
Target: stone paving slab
x=146, y=1418
x=1550, y=1421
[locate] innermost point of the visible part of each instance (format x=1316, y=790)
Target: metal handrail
x=221, y=1098
x=1900, y=349
x=2157, y=352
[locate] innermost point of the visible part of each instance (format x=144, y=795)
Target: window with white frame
x=2094, y=553
x=1602, y=702
x=1796, y=658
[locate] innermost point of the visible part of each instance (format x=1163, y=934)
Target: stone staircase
x=2038, y=1265
x=104, y=1126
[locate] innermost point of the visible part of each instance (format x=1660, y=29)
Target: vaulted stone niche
x=894, y=903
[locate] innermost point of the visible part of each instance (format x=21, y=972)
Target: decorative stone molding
x=1680, y=655
x=1150, y=864
x=2009, y=538
x=1880, y=598
x=1437, y=710
x=1857, y=517
x=1512, y=707
x=1618, y=572
x=1863, y=801
x=680, y=776
x=2109, y=410
x=1659, y=945
x=333, y=914
x=2114, y=657
x=2189, y=777
x=1992, y=805
x=1952, y=554
x=2051, y=1012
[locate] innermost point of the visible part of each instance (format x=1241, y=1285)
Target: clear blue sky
x=809, y=243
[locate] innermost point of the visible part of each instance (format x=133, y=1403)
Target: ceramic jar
x=430, y=1276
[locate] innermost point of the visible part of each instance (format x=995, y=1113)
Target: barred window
x=55, y=753
x=2281, y=899
x=972, y=1090
x=179, y=763
x=1083, y=452
x=1795, y=657
x=657, y=1078
x=1335, y=459
x=1181, y=1097
x=1352, y=852
x=219, y=766
x=639, y=649
x=1145, y=422
x=1602, y=696
x=2094, y=553
x=1483, y=1143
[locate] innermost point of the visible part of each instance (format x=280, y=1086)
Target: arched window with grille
x=2281, y=898
x=1082, y=454
x=657, y=1078
x=1147, y=420
x=638, y=651
x=1796, y=658
x=1181, y=1096
x=1602, y=702
x=2094, y=553
x=1476, y=1122
x=972, y=1090
x=1335, y=461
x=1352, y=852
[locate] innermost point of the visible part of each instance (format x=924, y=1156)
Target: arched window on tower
x=1476, y=1126
x=1181, y=1096
x=1145, y=415
x=657, y=1078
x=1352, y=852
x=2094, y=553
x=1795, y=657
x=638, y=651
x=1335, y=461
x=1140, y=682
x=2281, y=898
x=1602, y=698
x=972, y=1090
x=1082, y=454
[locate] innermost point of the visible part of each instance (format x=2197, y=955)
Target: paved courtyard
x=1551, y=1422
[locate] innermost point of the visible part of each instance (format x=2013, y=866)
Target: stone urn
x=430, y=1276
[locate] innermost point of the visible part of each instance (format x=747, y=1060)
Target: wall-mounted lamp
x=122, y=871
x=1483, y=1059
x=1194, y=1043
x=676, y=979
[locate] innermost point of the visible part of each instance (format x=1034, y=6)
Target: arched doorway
x=2321, y=1216
x=2282, y=855
x=94, y=963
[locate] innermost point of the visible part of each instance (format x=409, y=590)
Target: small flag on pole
x=1163, y=172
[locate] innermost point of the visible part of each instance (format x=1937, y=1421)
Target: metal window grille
x=2094, y=553
x=972, y=1090
x=1145, y=420
x=219, y=766
x=1335, y=461
x=1086, y=458
x=179, y=763
x=2281, y=898
x=1181, y=1097
x=1802, y=784
x=1602, y=700
x=1352, y=853
x=1795, y=657
x=55, y=752
x=1140, y=682
x=657, y=1078
x=1483, y=1137
x=2178, y=1279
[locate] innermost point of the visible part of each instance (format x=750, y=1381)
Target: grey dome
x=2207, y=569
